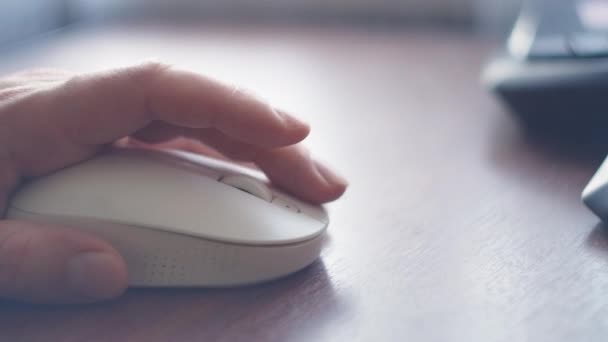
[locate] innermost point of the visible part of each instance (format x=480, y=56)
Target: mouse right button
x=249, y=185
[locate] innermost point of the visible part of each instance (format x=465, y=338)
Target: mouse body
x=180, y=219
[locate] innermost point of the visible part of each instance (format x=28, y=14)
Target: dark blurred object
x=358, y=11
x=554, y=72
x=20, y=20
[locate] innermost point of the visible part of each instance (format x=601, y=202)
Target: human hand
x=51, y=119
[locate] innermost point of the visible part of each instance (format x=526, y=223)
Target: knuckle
x=14, y=92
x=143, y=78
x=147, y=71
x=140, y=75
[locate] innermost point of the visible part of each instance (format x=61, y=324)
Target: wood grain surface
x=458, y=226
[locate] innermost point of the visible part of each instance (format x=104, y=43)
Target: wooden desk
x=457, y=226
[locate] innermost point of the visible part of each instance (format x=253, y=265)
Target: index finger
x=64, y=122
x=102, y=107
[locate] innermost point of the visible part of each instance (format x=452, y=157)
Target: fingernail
x=290, y=120
x=96, y=275
x=330, y=176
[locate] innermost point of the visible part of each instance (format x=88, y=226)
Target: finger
x=40, y=263
x=291, y=167
x=294, y=169
x=25, y=82
x=103, y=107
x=69, y=121
x=179, y=143
x=12, y=92
x=158, y=132
x=28, y=77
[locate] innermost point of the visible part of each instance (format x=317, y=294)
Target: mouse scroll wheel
x=249, y=185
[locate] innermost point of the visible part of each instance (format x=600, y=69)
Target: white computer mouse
x=180, y=219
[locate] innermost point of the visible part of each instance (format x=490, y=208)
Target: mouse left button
x=249, y=185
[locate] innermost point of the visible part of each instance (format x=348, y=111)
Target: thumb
x=43, y=263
